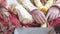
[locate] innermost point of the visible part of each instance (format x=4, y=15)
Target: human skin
x=54, y=11
x=38, y=16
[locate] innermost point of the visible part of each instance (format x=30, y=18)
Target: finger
x=50, y=17
x=53, y=17
x=36, y=18
x=43, y=24
x=35, y=15
x=56, y=13
x=56, y=16
x=59, y=15
x=48, y=14
x=43, y=17
x=51, y=13
x=43, y=21
x=39, y=19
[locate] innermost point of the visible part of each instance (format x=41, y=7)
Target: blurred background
x=12, y=2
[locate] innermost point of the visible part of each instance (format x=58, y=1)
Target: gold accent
x=43, y=9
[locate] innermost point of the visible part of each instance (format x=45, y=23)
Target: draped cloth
x=8, y=21
x=55, y=23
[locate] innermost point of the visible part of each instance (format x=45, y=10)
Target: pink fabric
x=32, y=25
x=55, y=23
x=5, y=25
x=15, y=21
x=8, y=23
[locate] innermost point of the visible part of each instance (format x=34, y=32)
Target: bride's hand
x=38, y=16
x=53, y=13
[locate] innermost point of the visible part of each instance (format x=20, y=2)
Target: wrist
x=56, y=6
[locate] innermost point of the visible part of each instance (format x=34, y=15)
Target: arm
x=23, y=15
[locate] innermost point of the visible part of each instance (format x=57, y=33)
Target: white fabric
x=23, y=15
